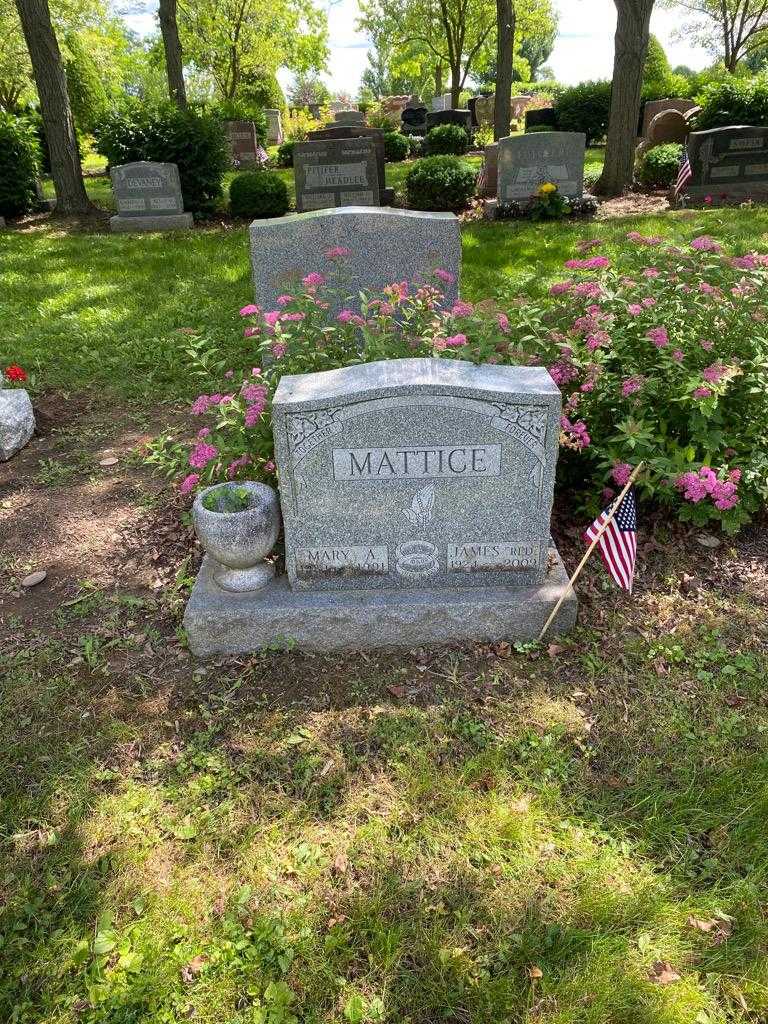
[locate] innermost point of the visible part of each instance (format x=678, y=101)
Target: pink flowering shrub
x=663, y=356
x=651, y=365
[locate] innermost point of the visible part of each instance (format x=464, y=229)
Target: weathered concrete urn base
x=221, y=623
x=238, y=542
x=17, y=420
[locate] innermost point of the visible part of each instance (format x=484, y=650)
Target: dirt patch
x=633, y=204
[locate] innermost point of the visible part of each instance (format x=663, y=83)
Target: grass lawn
x=566, y=834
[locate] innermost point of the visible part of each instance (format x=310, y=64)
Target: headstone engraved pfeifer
x=336, y=172
x=416, y=498
x=148, y=198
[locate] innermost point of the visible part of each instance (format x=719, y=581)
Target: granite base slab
x=166, y=222
x=218, y=622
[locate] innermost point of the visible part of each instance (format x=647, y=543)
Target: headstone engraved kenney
x=729, y=164
x=527, y=161
x=148, y=198
x=417, y=472
x=383, y=245
x=335, y=172
x=416, y=496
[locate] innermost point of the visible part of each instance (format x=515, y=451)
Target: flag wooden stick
x=613, y=510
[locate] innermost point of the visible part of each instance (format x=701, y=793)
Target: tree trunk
x=438, y=79
x=505, y=45
x=172, y=46
x=51, y=82
x=455, y=85
x=632, y=29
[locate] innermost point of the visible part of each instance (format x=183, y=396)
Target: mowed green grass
x=96, y=310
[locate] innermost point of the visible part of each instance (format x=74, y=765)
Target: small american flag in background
x=618, y=542
x=482, y=180
x=684, y=172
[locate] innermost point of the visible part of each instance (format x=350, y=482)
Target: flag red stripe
x=620, y=556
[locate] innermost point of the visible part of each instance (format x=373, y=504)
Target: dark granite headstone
x=471, y=107
x=453, y=116
x=414, y=120
x=729, y=164
x=540, y=116
x=355, y=131
x=243, y=143
x=336, y=172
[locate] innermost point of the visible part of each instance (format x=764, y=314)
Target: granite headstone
x=450, y=116
x=243, y=143
x=383, y=245
x=354, y=131
x=729, y=164
x=336, y=172
x=274, y=126
x=349, y=117
x=148, y=198
x=540, y=117
x=654, y=107
x=668, y=126
x=491, y=167
x=485, y=107
x=528, y=161
x=414, y=120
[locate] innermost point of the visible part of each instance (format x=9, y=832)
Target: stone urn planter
x=238, y=541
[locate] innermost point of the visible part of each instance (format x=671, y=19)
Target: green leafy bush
x=258, y=194
x=285, y=153
x=440, y=183
x=584, y=108
x=260, y=88
x=658, y=166
x=396, y=146
x=87, y=95
x=735, y=101
x=194, y=141
x=19, y=156
x=447, y=140
x=230, y=110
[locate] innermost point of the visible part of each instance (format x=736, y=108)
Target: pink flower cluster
x=445, y=276
x=592, y=263
x=461, y=308
x=638, y=239
x=576, y=433
x=347, y=316
x=202, y=454
x=705, y=244
x=563, y=372
x=659, y=336
x=695, y=487
x=560, y=288
x=621, y=473
x=632, y=385
x=205, y=402
x=588, y=289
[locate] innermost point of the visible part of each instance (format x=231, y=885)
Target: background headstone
x=438, y=103
x=654, y=107
x=729, y=164
x=668, y=126
x=416, y=474
x=243, y=143
x=491, y=166
x=335, y=172
x=540, y=116
x=527, y=161
x=354, y=131
x=384, y=244
x=414, y=120
x=148, y=198
x=314, y=109
x=349, y=117
x=455, y=116
x=274, y=126
x=484, y=109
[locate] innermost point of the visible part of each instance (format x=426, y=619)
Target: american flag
x=618, y=541
x=684, y=172
x=482, y=181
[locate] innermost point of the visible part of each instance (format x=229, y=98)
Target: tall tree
x=631, y=45
x=505, y=49
x=174, y=70
x=51, y=82
x=730, y=29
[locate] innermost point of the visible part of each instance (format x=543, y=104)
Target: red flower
x=14, y=372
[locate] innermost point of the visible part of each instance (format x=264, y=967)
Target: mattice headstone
x=540, y=117
x=336, y=172
x=528, y=161
x=729, y=164
x=243, y=143
x=416, y=497
x=382, y=245
x=148, y=198
x=274, y=126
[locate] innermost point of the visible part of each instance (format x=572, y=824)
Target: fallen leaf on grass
x=110, y=460
x=554, y=649
x=663, y=973
x=191, y=970
x=719, y=928
x=332, y=921
x=396, y=691
x=340, y=864
x=34, y=578
x=534, y=973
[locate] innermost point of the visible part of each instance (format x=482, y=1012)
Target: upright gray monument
x=148, y=198
x=349, y=117
x=274, y=126
x=335, y=172
x=383, y=245
x=416, y=498
x=528, y=161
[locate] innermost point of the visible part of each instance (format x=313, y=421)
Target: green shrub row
x=19, y=161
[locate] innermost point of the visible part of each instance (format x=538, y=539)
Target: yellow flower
x=547, y=188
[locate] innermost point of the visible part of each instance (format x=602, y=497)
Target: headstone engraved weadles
x=729, y=164
x=148, y=198
x=416, y=498
x=335, y=172
x=527, y=161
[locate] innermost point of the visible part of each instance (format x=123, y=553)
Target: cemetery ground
x=571, y=832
